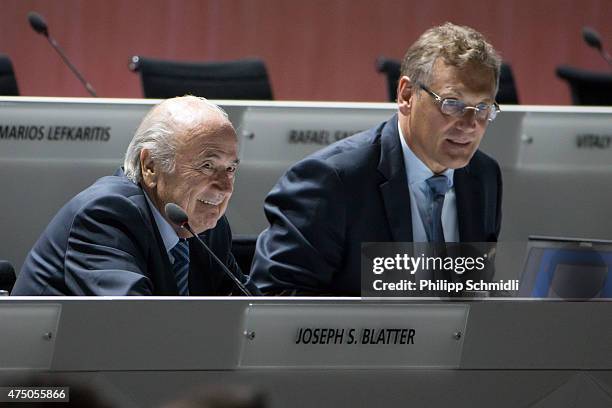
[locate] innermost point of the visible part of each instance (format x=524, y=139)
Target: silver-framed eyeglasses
x=457, y=108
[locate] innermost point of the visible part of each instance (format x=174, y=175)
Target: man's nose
x=224, y=181
x=468, y=121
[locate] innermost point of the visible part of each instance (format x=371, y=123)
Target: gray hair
x=458, y=46
x=158, y=129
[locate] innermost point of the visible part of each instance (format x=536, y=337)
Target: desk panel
x=516, y=354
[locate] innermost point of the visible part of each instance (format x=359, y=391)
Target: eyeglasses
x=457, y=108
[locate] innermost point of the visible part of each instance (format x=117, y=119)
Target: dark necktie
x=180, y=252
x=438, y=186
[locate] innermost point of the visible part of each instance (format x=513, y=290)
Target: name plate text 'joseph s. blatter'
x=353, y=335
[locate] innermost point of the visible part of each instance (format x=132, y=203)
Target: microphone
x=39, y=25
x=179, y=217
x=591, y=37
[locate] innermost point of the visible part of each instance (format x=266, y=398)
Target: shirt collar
x=416, y=170
x=166, y=231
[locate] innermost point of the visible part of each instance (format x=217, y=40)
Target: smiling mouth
x=208, y=202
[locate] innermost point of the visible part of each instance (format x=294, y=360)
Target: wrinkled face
x=439, y=140
x=203, y=177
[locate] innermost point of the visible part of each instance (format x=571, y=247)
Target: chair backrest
x=242, y=79
x=506, y=94
x=8, y=82
x=391, y=69
x=7, y=277
x=587, y=88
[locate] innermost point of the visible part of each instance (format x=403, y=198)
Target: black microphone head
x=176, y=214
x=38, y=23
x=591, y=37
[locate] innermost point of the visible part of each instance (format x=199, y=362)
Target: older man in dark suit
x=114, y=238
x=416, y=178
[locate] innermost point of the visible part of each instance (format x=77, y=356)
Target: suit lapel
x=394, y=190
x=470, y=209
x=162, y=275
x=160, y=269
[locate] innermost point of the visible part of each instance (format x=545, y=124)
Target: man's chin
x=457, y=162
x=199, y=228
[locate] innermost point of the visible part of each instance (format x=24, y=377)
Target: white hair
x=157, y=132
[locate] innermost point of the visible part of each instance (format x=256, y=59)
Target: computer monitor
x=567, y=268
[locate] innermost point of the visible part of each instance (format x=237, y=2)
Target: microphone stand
x=229, y=273
x=57, y=48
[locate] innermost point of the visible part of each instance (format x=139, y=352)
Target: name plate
x=353, y=336
x=565, y=140
x=28, y=335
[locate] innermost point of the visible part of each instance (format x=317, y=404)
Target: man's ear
x=404, y=95
x=148, y=169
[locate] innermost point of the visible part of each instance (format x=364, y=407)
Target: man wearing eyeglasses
x=418, y=177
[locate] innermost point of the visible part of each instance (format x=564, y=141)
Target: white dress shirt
x=166, y=231
x=421, y=200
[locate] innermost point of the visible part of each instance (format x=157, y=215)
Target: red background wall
x=314, y=49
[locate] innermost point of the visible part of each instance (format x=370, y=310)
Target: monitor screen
x=567, y=268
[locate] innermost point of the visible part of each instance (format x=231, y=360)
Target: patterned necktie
x=180, y=252
x=438, y=186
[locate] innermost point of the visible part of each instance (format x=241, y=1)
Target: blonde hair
x=458, y=46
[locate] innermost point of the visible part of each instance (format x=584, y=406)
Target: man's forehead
x=472, y=78
x=211, y=133
x=217, y=145
x=218, y=152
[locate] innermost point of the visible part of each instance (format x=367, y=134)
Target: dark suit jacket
x=105, y=242
x=351, y=192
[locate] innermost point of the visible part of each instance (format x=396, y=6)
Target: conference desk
x=479, y=353
x=504, y=352
x=555, y=160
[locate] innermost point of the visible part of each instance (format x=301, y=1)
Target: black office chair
x=242, y=79
x=588, y=88
x=7, y=277
x=506, y=94
x=8, y=82
x=391, y=68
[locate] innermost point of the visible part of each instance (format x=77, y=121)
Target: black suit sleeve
x=105, y=253
x=244, y=279
x=303, y=246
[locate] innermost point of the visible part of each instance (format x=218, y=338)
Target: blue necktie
x=180, y=252
x=438, y=186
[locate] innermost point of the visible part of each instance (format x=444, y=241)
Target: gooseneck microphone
x=179, y=217
x=39, y=25
x=591, y=37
